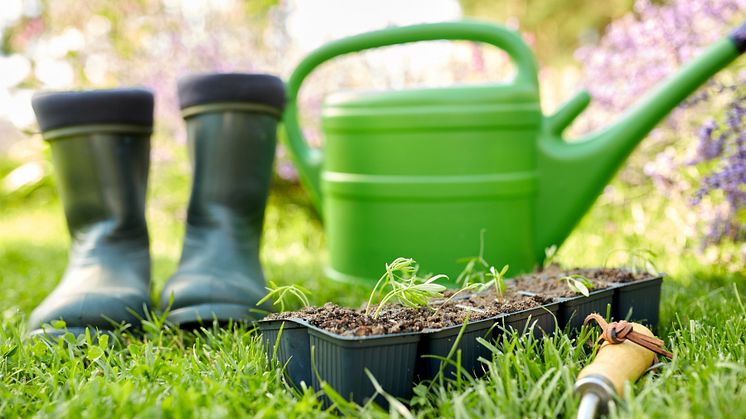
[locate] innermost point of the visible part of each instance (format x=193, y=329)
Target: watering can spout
x=573, y=174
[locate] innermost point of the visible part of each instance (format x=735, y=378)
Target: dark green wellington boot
x=100, y=143
x=231, y=124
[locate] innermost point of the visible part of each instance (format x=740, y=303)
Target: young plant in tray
x=282, y=295
x=478, y=275
x=550, y=254
x=578, y=284
x=476, y=267
x=498, y=281
x=637, y=260
x=405, y=286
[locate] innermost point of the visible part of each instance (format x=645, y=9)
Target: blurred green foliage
x=557, y=27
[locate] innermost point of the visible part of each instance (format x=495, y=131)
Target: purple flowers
x=710, y=145
x=725, y=142
x=641, y=49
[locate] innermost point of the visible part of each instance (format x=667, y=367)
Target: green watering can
x=421, y=172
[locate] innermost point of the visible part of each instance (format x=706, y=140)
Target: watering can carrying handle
x=309, y=160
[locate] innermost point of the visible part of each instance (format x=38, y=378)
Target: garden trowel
x=628, y=352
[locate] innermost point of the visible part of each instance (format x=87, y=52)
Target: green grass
x=223, y=373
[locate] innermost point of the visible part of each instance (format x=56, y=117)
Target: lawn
x=223, y=372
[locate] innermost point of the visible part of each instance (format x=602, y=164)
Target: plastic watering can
x=421, y=172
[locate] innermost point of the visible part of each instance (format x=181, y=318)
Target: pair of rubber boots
x=100, y=142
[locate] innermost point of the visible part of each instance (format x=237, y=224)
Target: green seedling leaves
x=283, y=294
x=498, y=280
x=578, y=284
x=405, y=286
x=418, y=295
x=399, y=270
x=410, y=290
x=636, y=260
x=549, y=255
x=479, y=275
x=475, y=269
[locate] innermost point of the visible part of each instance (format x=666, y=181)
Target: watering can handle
x=309, y=160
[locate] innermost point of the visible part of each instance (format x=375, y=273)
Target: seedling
x=550, y=253
x=498, y=281
x=475, y=270
x=641, y=261
x=412, y=293
x=638, y=260
x=406, y=287
x=399, y=269
x=282, y=295
x=578, y=284
x=480, y=275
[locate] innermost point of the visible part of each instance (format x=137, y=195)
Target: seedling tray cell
x=292, y=350
x=436, y=345
x=639, y=301
x=542, y=320
x=572, y=311
x=341, y=362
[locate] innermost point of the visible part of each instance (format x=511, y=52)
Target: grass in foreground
x=223, y=372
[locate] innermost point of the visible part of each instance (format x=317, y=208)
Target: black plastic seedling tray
x=397, y=361
x=342, y=361
x=292, y=350
x=572, y=311
x=540, y=320
x=638, y=301
x=436, y=345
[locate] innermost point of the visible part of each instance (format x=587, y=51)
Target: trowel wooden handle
x=622, y=362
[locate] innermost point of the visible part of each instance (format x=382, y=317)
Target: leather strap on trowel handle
x=620, y=359
x=617, y=332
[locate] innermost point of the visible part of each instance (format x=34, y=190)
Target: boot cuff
x=131, y=106
x=260, y=89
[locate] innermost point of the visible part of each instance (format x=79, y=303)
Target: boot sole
x=206, y=314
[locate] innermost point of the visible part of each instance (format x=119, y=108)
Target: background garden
x=680, y=199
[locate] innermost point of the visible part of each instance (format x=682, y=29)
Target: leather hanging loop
x=617, y=332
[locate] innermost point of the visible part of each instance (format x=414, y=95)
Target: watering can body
x=419, y=174
x=438, y=174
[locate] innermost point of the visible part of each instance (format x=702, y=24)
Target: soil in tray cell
x=396, y=318
x=548, y=283
x=524, y=292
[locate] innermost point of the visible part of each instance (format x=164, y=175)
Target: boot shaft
x=100, y=142
x=103, y=177
x=232, y=154
x=231, y=124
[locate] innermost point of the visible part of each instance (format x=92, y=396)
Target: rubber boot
x=231, y=124
x=100, y=142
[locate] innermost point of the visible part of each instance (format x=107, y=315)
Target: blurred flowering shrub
x=722, y=143
x=68, y=45
x=700, y=153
